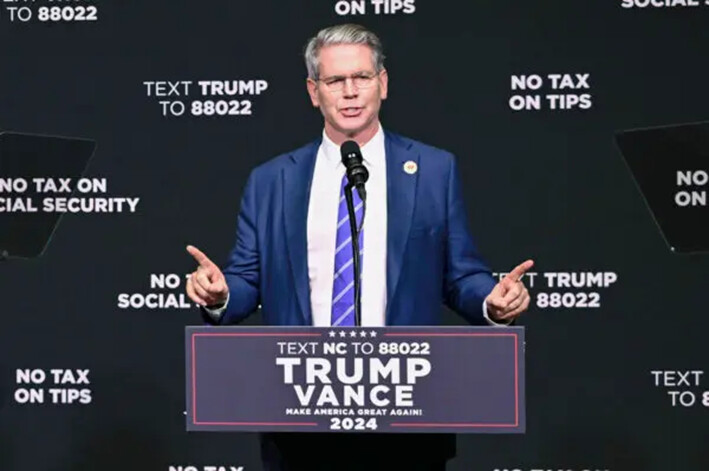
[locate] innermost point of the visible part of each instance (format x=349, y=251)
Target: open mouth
x=351, y=111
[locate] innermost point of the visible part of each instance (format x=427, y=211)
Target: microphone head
x=350, y=153
x=357, y=173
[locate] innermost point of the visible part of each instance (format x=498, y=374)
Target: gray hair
x=342, y=34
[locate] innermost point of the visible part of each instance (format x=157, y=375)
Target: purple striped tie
x=343, y=285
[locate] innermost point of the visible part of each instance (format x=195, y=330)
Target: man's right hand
x=206, y=286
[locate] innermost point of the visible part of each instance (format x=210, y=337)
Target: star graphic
x=331, y=333
x=353, y=334
x=372, y=334
x=342, y=333
x=363, y=334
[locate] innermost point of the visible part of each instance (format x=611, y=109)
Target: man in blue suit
x=293, y=253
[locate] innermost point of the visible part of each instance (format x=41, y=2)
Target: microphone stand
x=354, y=231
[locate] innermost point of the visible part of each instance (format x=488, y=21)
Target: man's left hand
x=509, y=298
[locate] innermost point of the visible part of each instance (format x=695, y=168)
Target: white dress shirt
x=322, y=231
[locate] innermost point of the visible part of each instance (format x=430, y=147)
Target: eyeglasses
x=360, y=81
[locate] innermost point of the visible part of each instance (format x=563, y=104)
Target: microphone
x=357, y=173
x=357, y=176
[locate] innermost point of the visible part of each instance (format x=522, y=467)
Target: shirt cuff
x=215, y=312
x=490, y=321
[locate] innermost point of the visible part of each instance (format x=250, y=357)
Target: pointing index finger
x=199, y=257
x=520, y=270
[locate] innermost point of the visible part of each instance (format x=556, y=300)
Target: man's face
x=348, y=92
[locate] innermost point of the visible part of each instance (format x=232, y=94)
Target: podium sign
x=393, y=379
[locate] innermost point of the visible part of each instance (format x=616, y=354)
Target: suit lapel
x=297, y=179
x=401, y=193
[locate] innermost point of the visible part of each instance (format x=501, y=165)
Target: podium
x=355, y=379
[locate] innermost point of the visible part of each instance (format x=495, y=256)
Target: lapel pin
x=410, y=167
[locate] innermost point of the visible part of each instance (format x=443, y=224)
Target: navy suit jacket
x=431, y=258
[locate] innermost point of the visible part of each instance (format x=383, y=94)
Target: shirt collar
x=331, y=150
